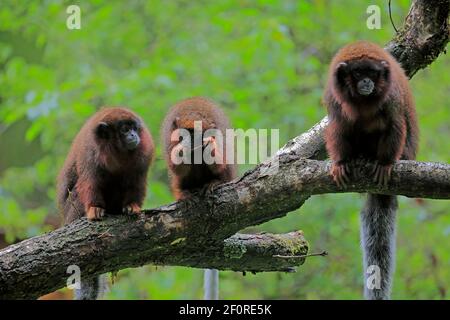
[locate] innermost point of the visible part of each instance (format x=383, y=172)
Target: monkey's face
x=363, y=77
x=123, y=134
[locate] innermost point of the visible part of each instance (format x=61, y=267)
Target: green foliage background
x=265, y=62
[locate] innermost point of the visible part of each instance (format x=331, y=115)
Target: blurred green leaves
x=265, y=62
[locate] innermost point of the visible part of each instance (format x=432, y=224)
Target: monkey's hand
x=95, y=213
x=382, y=174
x=340, y=172
x=219, y=166
x=215, y=150
x=209, y=140
x=132, y=209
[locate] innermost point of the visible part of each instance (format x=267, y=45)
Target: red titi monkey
x=188, y=177
x=372, y=118
x=105, y=172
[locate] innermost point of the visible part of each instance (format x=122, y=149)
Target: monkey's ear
x=102, y=130
x=386, y=69
x=342, y=66
x=341, y=70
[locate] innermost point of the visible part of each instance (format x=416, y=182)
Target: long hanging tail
x=91, y=288
x=211, y=284
x=378, y=233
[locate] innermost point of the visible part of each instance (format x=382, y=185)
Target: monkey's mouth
x=132, y=144
x=365, y=88
x=364, y=92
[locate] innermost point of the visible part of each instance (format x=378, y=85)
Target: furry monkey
x=372, y=118
x=105, y=172
x=189, y=177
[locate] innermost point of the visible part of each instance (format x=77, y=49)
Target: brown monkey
x=188, y=177
x=105, y=172
x=372, y=118
x=195, y=175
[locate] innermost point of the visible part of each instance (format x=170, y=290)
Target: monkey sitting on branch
x=189, y=138
x=105, y=172
x=372, y=118
x=190, y=172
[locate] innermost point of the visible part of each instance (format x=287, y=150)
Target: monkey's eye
x=357, y=74
x=124, y=129
x=372, y=73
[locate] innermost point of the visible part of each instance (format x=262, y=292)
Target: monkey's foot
x=132, y=208
x=340, y=173
x=95, y=213
x=382, y=174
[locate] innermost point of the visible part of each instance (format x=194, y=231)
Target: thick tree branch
x=39, y=265
x=423, y=37
x=193, y=233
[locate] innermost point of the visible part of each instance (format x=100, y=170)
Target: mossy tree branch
x=201, y=233
x=193, y=233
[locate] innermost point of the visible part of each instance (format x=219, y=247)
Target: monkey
x=105, y=172
x=186, y=178
x=372, y=119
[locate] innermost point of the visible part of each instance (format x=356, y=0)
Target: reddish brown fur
x=382, y=128
x=186, y=178
x=97, y=177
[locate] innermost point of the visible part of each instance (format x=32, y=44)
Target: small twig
x=323, y=254
x=390, y=17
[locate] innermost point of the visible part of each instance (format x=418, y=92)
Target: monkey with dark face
x=105, y=171
x=372, y=118
x=182, y=135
